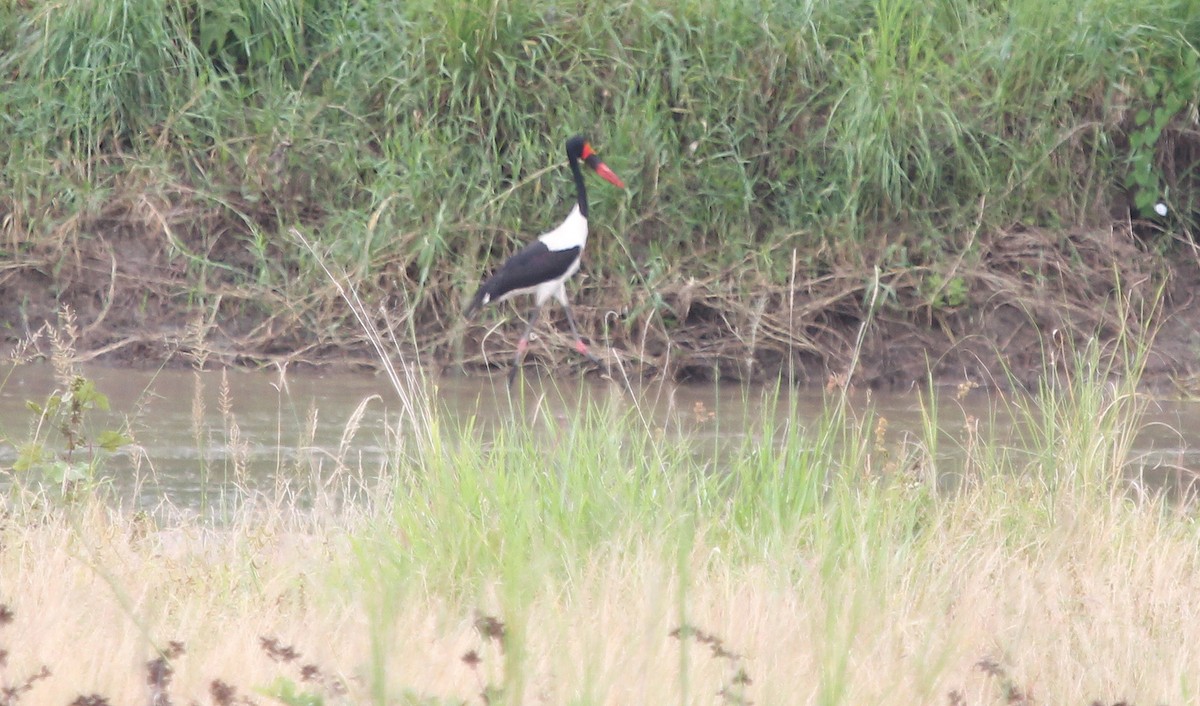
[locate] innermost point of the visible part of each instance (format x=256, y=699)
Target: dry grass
x=986, y=605
x=610, y=564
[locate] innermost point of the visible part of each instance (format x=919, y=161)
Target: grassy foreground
x=600, y=559
x=154, y=154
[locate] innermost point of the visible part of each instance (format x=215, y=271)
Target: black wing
x=528, y=267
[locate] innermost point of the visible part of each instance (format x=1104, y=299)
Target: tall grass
x=414, y=141
x=558, y=508
x=599, y=555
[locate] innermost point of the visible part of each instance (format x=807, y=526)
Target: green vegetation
x=604, y=555
x=798, y=171
x=155, y=152
x=75, y=458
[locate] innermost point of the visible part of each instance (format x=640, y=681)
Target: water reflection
x=199, y=435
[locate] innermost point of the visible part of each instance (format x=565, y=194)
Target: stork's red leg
x=579, y=344
x=523, y=344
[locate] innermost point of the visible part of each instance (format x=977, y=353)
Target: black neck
x=580, y=189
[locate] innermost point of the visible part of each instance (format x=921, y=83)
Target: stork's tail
x=476, y=304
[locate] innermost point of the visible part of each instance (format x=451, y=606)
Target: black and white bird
x=541, y=267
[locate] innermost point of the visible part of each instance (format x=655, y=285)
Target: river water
x=199, y=436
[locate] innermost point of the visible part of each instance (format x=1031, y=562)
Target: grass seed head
x=490, y=627
x=222, y=694
x=278, y=651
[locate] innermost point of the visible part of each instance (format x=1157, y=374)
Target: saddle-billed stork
x=541, y=267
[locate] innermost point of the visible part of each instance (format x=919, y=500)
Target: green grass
x=595, y=551
x=412, y=141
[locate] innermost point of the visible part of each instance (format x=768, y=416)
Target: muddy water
x=201, y=438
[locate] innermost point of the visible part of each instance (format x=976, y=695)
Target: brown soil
x=1012, y=304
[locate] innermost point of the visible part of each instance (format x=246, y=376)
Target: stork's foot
x=522, y=345
x=583, y=350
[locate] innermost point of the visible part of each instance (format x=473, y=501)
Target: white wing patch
x=571, y=233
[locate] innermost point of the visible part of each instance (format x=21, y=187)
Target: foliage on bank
x=166, y=146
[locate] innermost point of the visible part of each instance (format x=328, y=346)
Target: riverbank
x=1033, y=302
x=969, y=189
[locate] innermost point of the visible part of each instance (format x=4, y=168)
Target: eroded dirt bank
x=1011, y=302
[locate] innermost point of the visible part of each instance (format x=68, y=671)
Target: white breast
x=571, y=233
